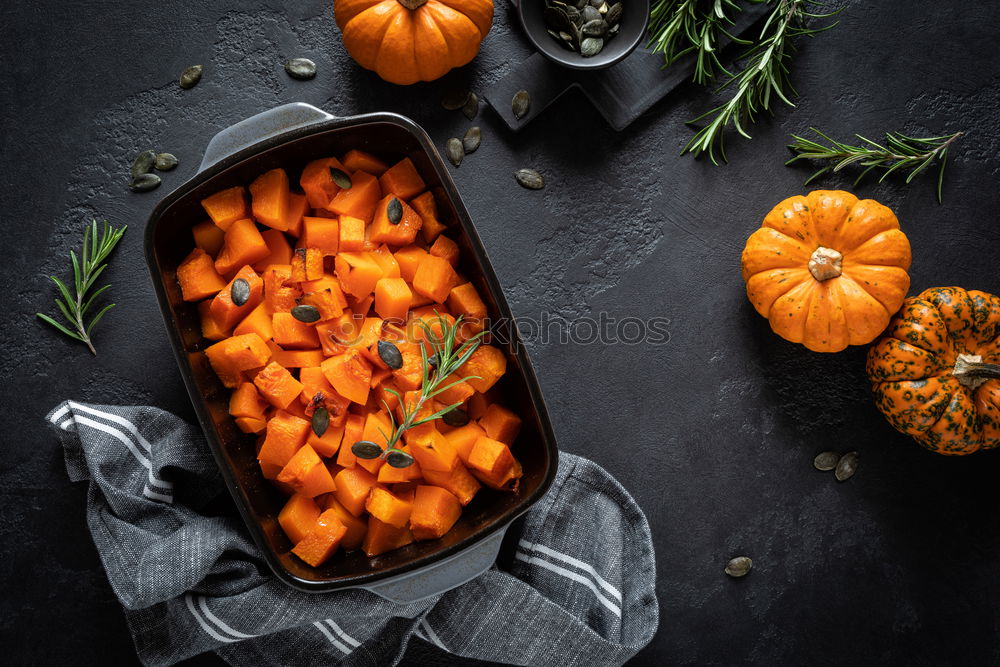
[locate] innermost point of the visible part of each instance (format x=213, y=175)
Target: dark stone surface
x=714, y=432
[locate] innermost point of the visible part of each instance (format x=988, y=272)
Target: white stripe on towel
x=343, y=635
x=219, y=623
x=575, y=562
x=534, y=560
x=333, y=640
x=189, y=601
x=433, y=635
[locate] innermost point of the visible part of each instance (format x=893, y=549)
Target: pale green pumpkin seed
x=390, y=354
x=529, y=178
x=556, y=18
x=455, y=151
x=240, y=292
x=366, y=449
x=342, y=180
x=454, y=100
x=397, y=458
x=302, y=69
x=191, y=76
x=394, y=211
x=143, y=163
x=144, y=183
x=520, y=104
x=826, y=461
x=739, y=566
x=306, y=313
x=596, y=28
x=166, y=161
x=473, y=137
x=846, y=466
x=590, y=14
x=471, y=106
x=320, y=421
x=614, y=14
x=591, y=46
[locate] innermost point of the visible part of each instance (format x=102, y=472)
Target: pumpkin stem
x=971, y=371
x=826, y=263
x=411, y=4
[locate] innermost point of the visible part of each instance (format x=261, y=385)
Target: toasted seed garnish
x=302, y=69
x=366, y=449
x=520, y=104
x=341, y=178
x=574, y=15
x=529, y=178
x=240, y=291
x=320, y=421
x=471, y=106
x=454, y=100
x=846, y=466
x=455, y=417
x=390, y=354
x=394, y=211
x=191, y=76
x=399, y=459
x=305, y=313
x=603, y=8
x=144, y=183
x=739, y=566
x=590, y=14
x=455, y=151
x=556, y=18
x=591, y=46
x=614, y=14
x=473, y=137
x=596, y=28
x=143, y=163
x=826, y=461
x=165, y=161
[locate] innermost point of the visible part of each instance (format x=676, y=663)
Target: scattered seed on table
x=302, y=69
x=529, y=178
x=143, y=163
x=472, y=139
x=826, y=461
x=144, y=183
x=455, y=151
x=739, y=566
x=520, y=104
x=165, y=161
x=471, y=106
x=846, y=466
x=191, y=76
x=454, y=100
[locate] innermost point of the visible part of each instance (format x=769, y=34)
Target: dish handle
x=443, y=575
x=264, y=125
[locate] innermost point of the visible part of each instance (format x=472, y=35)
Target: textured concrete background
x=714, y=432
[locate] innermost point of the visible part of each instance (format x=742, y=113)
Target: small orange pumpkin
x=936, y=375
x=827, y=270
x=405, y=41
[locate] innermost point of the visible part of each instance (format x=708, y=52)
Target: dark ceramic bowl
x=290, y=136
x=635, y=18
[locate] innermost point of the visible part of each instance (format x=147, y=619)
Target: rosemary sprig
x=763, y=78
x=447, y=359
x=86, y=270
x=679, y=27
x=899, y=152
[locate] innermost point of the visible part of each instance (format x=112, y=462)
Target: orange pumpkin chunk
x=246, y=402
x=258, y=322
x=433, y=452
x=321, y=233
x=392, y=299
x=459, y=481
x=463, y=439
x=210, y=328
x=358, y=273
x=298, y=517
x=349, y=374
x=446, y=249
x=291, y=333
x=402, y=180
x=317, y=181
x=243, y=244
x=401, y=232
x=382, y=537
x=356, y=160
x=322, y=541
x=356, y=527
x=279, y=250
x=360, y=199
x=388, y=507
x=270, y=199
x=353, y=488
x=434, y=512
x=239, y=353
x=434, y=278
x=486, y=365
x=307, y=264
x=277, y=385
x=408, y=259
x=426, y=206
x=353, y=428
x=286, y=433
x=226, y=206
x=197, y=276
x=226, y=312
x=208, y=236
x=500, y=424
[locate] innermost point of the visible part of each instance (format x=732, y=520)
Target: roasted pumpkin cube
x=446, y=249
x=352, y=234
x=258, y=322
x=399, y=233
x=210, y=327
x=239, y=353
x=426, y=206
x=322, y=541
x=226, y=206
x=286, y=433
x=382, y=537
x=280, y=293
x=208, y=236
x=435, y=511
x=291, y=333
x=356, y=160
x=317, y=181
x=356, y=526
x=463, y=439
x=408, y=258
x=277, y=385
x=500, y=424
x=197, y=276
x=388, y=507
x=353, y=428
x=402, y=180
x=298, y=517
x=433, y=452
x=486, y=365
x=226, y=312
x=353, y=488
x=307, y=264
x=279, y=250
x=242, y=245
x=269, y=196
x=358, y=272
x=349, y=374
x=459, y=481
x=321, y=233
x=298, y=206
x=434, y=278
x=392, y=299
x=359, y=200
x=245, y=401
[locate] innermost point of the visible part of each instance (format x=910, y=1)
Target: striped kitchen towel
x=580, y=591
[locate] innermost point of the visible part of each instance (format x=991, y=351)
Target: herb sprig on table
x=74, y=304
x=898, y=153
x=679, y=27
x=435, y=369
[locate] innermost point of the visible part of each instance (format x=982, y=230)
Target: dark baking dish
x=289, y=137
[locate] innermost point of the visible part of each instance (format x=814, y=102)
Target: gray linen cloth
x=581, y=590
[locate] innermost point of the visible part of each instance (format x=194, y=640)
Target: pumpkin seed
x=366, y=449
x=302, y=69
x=846, y=466
x=614, y=14
x=240, y=292
x=397, y=458
x=596, y=28
x=826, y=461
x=432, y=360
x=143, y=163
x=556, y=18
x=191, y=76
x=596, y=3
x=603, y=8
x=306, y=313
x=320, y=421
x=144, y=183
x=529, y=178
x=520, y=104
x=591, y=46
x=590, y=14
x=390, y=354
x=455, y=151
x=574, y=15
x=454, y=100
x=457, y=417
x=473, y=137
x=471, y=107
x=739, y=566
x=394, y=211
x=165, y=161
x=613, y=30
x=342, y=180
